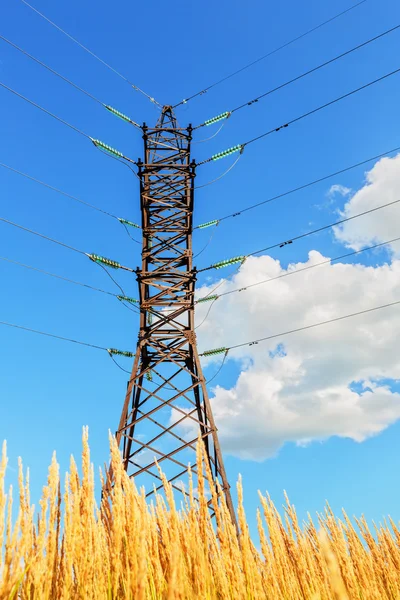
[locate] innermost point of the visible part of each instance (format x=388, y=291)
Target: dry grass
x=77, y=550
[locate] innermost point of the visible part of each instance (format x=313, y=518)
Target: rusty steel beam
x=166, y=346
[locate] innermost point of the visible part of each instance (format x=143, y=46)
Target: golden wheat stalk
x=129, y=549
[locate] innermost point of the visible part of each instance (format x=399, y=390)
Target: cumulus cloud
x=382, y=185
x=300, y=388
x=333, y=380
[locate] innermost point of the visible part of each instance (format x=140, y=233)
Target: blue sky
x=50, y=389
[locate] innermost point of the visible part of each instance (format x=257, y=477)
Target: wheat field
x=128, y=548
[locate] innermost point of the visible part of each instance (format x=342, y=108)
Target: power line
x=50, y=69
x=118, y=158
x=329, y=226
x=93, y=257
x=122, y=298
x=240, y=147
x=198, y=187
x=41, y=235
x=207, y=139
x=215, y=297
x=220, y=350
x=276, y=335
x=67, y=195
x=119, y=366
x=15, y=262
x=88, y=94
x=57, y=337
x=111, y=351
x=299, y=37
x=113, y=280
x=297, y=237
x=305, y=74
x=45, y=110
x=208, y=381
x=54, y=189
x=97, y=143
x=135, y=87
x=297, y=189
x=205, y=245
x=311, y=112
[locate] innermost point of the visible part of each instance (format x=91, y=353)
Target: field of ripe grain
x=78, y=550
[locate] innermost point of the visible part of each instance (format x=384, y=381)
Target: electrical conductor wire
x=313, y=231
x=45, y=237
x=218, y=370
x=54, y=189
x=253, y=342
x=289, y=273
x=310, y=71
x=67, y=195
x=41, y=63
x=45, y=110
x=325, y=227
x=211, y=136
x=41, y=235
x=315, y=110
x=131, y=308
x=204, y=90
x=207, y=244
x=118, y=365
x=135, y=87
x=58, y=337
x=51, y=70
x=56, y=117
x=310, y=112
x=198, y=187
x=334, y=320
x=122, y=162
x=86, y=285
x=304, y=186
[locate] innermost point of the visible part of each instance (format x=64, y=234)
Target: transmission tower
x=166, y=403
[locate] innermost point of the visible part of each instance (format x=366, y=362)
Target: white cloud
x=382, y=186
x=338, y=189
x=146, y=457
x=322, y=382
x=303, y=391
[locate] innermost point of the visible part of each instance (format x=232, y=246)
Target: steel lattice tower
x=166, y=403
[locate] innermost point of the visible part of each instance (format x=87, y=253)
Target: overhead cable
x=45, y=111
x=15, y=262
x=207, y=139
x=223, y=350
x=296, y=189
x=135, y=87
x=242, y=258
x=241, y=147
x=67, y=195
x=58, y=337
x=226, y=349
x=285, y=45
x=227, y=114
x=97, y=143
x=88, y=94
x=214, y=297
x=125, y=300
x=93, y=257
x=198, y=187
x=111, y=351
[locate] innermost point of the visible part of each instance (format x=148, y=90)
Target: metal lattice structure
x=166, y=403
